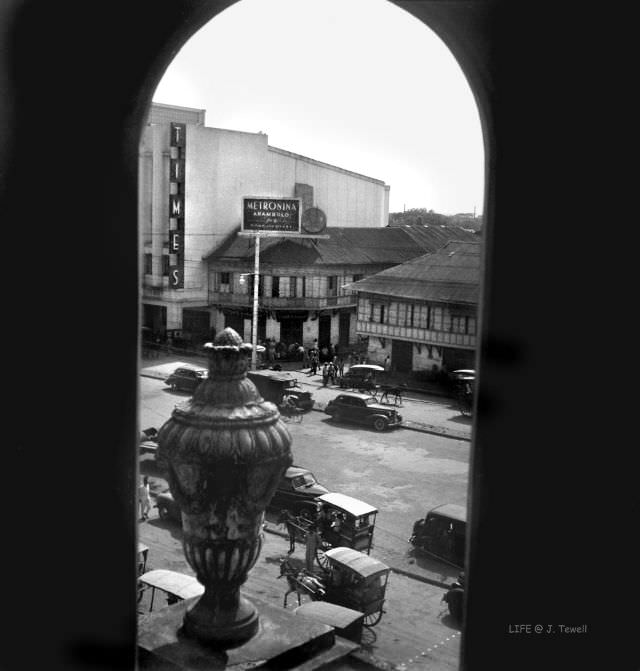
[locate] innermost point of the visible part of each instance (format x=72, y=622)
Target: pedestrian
x=387, y=364
x=331, y=373
x=341, y=365
x=314, y=364
x=288, y=520
x=144, y=499
x=312, y=541
x=325, y=374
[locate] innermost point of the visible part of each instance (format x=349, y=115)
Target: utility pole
x=256, y=281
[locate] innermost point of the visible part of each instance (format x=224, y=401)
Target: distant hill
x=423, y=217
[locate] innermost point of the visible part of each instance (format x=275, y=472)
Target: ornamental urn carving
x=225, y=451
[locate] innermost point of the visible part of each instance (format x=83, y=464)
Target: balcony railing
x=288, y=303
x=416, y=334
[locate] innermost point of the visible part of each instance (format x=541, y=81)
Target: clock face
x=314, y=220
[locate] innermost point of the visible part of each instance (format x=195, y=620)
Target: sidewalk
x=420, y=411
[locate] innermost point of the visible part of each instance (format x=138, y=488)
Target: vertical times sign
x=178, y=139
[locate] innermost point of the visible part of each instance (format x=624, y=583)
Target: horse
x=397, y=392
x=300, y=582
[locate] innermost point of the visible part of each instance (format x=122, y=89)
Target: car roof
x=188, y=366
x=354, y=394
x=350, y=505
x=452, y=510
x=294, y=471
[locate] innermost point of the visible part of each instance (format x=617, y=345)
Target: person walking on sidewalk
x=287, y=518
x=144, y=499
x=325, y=374
x=314, y=363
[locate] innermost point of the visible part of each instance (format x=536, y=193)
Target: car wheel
x=163, y=513
x=380, y=424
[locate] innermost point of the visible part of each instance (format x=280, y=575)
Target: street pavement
x=420, y=412
x=424, y=412
x=415, y=633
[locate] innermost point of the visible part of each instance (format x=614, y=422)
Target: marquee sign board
x=271, y=215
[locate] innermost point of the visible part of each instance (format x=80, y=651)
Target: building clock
x=314, y=220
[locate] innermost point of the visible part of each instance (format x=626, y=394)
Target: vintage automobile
x=186, y=378
x=442, y=534
x=363, y=409
x=167, y=507
x=297, y=492
x=463, y=382
x=276, y=386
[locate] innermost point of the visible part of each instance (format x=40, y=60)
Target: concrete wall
x=222, y=166
x=347, y=198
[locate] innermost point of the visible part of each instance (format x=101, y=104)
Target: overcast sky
x=359, y=84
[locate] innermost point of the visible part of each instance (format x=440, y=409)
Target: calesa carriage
x=350, y=579
x=348, y=522
x=348, y=576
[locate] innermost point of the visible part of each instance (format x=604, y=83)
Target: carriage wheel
x=321, y=558
x=372, y=619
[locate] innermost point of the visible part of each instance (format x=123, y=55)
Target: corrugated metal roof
x=345, y=246
x=452, y=274
x=436, y=237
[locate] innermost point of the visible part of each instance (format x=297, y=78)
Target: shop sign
x=178, y=133
x=292, y=314
x=178, y=143
x=176, y=277
x=176, y=205
x=176, y=242
x=272, y=215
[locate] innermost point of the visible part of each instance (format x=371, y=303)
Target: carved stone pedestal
x=283, y=641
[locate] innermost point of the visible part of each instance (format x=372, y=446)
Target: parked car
x=363, y=409
x=275, y=386
x=297, y=491
x=167, y=507
x=442, y=533
x=186, y=378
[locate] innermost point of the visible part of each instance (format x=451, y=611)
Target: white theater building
x=192, y=180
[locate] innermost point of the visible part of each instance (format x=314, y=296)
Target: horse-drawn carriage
x=347, y=575
x=349, y=578
x=345, y=522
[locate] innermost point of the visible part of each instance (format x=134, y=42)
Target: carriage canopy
x=357, y=562
x=349, y=505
